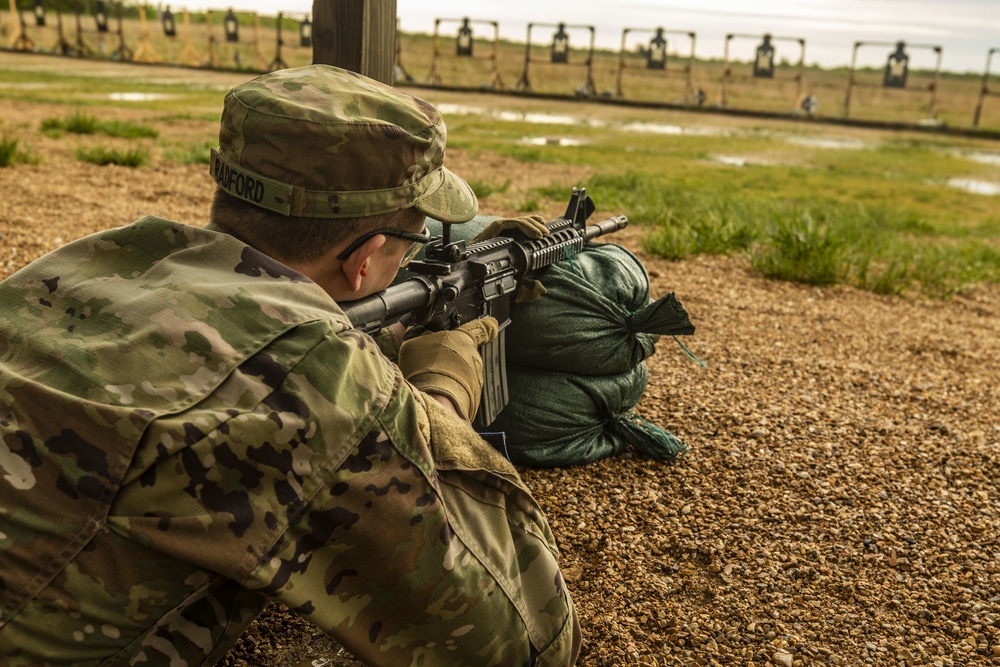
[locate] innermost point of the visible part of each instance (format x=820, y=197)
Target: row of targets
x=653, y=56
x=21, y=41
x=145, y=52
x=555, y=52
x=40, y=10
x=230, y=23
x=231, y=31
x=763, y=68
x=895, y=74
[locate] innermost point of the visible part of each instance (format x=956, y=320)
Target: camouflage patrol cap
x=323, y=142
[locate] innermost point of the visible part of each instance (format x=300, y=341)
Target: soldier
x=190, y=428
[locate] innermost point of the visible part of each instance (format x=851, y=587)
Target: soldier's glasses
x=418, y=239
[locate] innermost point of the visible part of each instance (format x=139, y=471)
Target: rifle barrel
x=377, y=310
x=373, y=312
x=608, y=226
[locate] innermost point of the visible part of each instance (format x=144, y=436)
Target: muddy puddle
x=139, y=97
x=557, y=119
x=975, y=186
x=641, y=127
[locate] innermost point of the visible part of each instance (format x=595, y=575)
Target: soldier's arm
x=426, y=552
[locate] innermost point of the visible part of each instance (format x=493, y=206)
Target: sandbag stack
x=576, y=360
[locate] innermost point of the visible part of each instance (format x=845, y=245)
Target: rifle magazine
x=494, y=398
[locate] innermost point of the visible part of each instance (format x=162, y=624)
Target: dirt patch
x=840, y=504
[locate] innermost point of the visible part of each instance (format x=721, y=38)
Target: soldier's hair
x=298, y=239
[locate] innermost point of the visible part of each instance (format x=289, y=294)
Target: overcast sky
x=965, y=29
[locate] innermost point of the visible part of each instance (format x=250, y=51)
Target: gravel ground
x=840, y=503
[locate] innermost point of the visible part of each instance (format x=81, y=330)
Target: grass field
x=904, y=212
x=882, y=211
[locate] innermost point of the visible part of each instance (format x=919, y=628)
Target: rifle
x=458, y=281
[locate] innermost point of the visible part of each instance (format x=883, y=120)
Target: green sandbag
x=591, y=418
x=575, y=359
x=596, y=317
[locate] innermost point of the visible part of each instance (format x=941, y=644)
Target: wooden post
x=359, y=35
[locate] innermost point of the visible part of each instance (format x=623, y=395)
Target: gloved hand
x=532, y=226
x=448, y=363
x=530, y=292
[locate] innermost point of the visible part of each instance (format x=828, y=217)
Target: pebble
x=783, y=658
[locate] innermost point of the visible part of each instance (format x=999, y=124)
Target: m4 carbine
x=459, y=281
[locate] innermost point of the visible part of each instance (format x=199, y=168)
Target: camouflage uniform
x=189, y=429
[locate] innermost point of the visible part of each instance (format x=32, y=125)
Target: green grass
x=484, y=188
x=127, y=130
x=8, y=151
x=95, y=93
x=797, y=248
x=527, y=205
x=79, y=122
x=12, y=152
x=193, y=152
x=133, y=157
x=812, y=240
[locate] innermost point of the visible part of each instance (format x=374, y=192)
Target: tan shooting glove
x=532, y=227
x=448, y=363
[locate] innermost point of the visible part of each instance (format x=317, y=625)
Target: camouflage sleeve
x=315, y=476
x=388, y=343
x=425, y=548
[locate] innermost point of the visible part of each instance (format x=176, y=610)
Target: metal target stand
x=259, y=62
x=305, y=39
x=145, y=53
x=61, y=46
x=231, y=32
x=984, y=91
x=896, y=72
x=560, y=55
x=212, y=60
x=399, y=73
x=19, y=40
x=188, y=55
x=464, y=48
x=763, y=64
x=657, y=57
x=124, y=51
x=82, y=48
x=231, y=29
x=278, y=62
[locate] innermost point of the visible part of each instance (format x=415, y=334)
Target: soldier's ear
x=355, y=267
